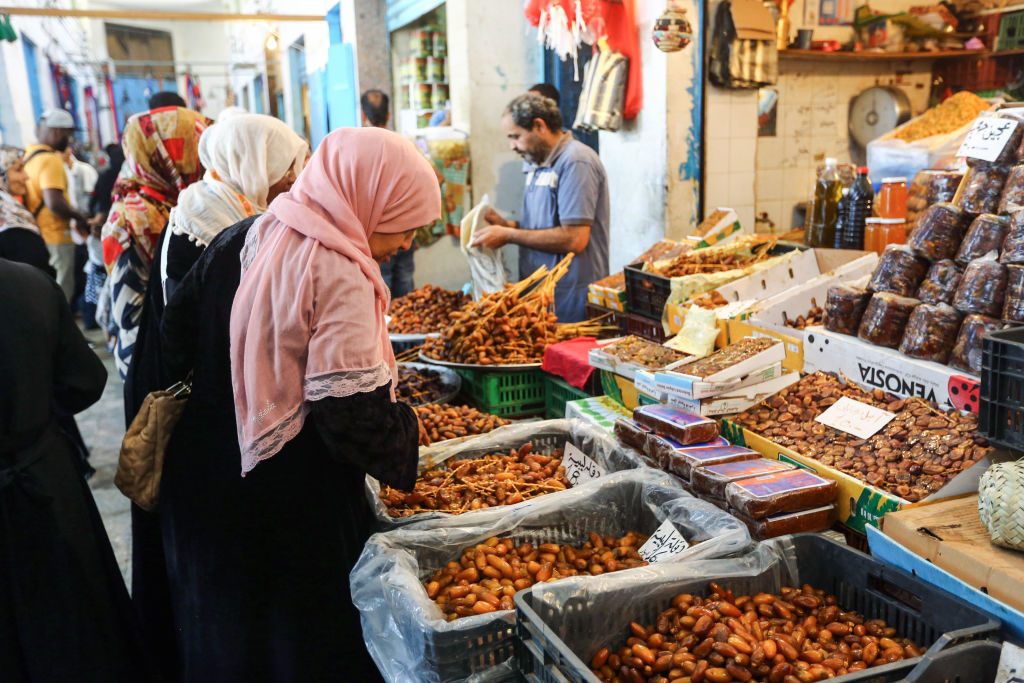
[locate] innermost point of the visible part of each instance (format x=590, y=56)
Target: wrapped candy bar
x=632, y=433
x=899, y=271
x=682, y=426
x=771, y=494
x=939, y=232
x=987, y=233
x=931, y=332
x=844, y=307
x=1013, y=245
x=713, y=479
x=661, y=449
x=1013, y=309
x=982, y=289
x=885, y=319
x=939, y=286
x=983, y=188
x=683, y=462
x=967, y=352
x=804, y=521
x=1012, y=198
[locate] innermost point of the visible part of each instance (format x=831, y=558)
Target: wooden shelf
x=820, y=55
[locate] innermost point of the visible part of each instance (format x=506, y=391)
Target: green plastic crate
x=506, y=394
x=1011, y=31
x=558, y=392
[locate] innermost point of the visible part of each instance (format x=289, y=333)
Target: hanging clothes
x=623, y=35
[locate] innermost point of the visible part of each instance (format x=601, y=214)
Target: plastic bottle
x=855, y=210
x=827, y=192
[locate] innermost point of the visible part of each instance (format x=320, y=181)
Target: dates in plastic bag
x=930, y=187
x=967, y=352
x=1013, y=245
x=940, y=284
x=804, y=521
x=939, y=232
x=1013, y=309
x=885, y=319
x=682, y=426
x=987, y=233
x=983, y=189
x=899, y=271
x=771, y=494
x=844, y=307
x=931, y=332
x=1012, y=198
x=982, y=289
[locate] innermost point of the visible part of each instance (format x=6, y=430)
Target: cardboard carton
x=737, y=400
x=763, y=366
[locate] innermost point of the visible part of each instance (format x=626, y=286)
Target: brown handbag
x=141, y=462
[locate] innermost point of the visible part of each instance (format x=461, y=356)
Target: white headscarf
x=243, y=154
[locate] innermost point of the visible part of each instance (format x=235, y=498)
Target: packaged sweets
x=982, y=289
x=771, y=494
x=1013, y=309
x=967, y=352
x=682, y=462
x=940, y=284
x=939, y=232
x=899, y=271
x=885, y=319
x=713, y=479
x=986, y=234
x=1012, y=198
x=661, y=449
x=931, y=332
x=632, y=433
x=983, y=188
x=804, y=521
x=682, y=426
x=1013, y=245
x=844, y=307
x=930, y=187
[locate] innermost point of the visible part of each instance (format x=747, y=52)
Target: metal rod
x=155, y=15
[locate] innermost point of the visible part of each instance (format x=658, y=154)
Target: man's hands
x=491, y=237
x=492, y=217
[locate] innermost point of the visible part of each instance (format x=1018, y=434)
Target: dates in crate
x=939, y=286
x=939, y=232
x=986, y=234
x=844, y=308
x=967, y=352
x=983, y=188
x=885, y=319
x=899, y=271
x=931, y=332
x=982, y=289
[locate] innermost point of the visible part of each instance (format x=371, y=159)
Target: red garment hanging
x=623, y=36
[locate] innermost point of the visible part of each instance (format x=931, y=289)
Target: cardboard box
x=764, y=366
x=737, y=400
x=950, y=535
x=723, y=230
x=794, y=346
x=620, y=389
x=600, y=411
x=876, y=367
x=646, y=383
x=601, y=360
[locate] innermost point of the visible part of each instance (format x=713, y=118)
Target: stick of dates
x=797, y=635
x=477, y=483
x=815, y=316
x=442, y=422
x=424, y=310
x=488, y=574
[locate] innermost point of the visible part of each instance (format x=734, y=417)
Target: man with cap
x=47, y=195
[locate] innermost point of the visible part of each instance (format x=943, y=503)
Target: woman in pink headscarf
x=281, y=323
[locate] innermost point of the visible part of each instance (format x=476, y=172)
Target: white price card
x=664, y=545
x=854, y=417
x=579, y=467
x=987, y=137
x=1011, y=665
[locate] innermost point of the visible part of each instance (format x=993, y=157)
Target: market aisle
x=102, y=427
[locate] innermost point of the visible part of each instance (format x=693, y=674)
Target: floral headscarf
x=12, y=213
x=161, y=150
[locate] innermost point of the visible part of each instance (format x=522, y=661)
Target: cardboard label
x=853, y=417
x=987, y=138
x=1011, y=665
x=664, y=545
x=579, y=467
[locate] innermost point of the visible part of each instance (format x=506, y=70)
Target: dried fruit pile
x=442, y=422
x=474, y=483
x=815, y=316
x=417, y=386
x=743, y=252
x=724, y=358
x=799, y=635
x=954, y=113
x=649, y=354
x=424, y=310
x=487, y=575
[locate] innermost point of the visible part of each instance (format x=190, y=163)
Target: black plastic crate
x=1001, y=408
x=550, y=638
x=616, y=319
x=645, y=327
x=975, y=662
x=646, y=293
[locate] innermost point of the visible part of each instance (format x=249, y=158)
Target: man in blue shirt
x=565, y=204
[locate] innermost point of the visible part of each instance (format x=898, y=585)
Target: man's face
x=57, y=138
x=531, y=145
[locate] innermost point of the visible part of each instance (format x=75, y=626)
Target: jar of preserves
x=891, y=201
x=880, y=232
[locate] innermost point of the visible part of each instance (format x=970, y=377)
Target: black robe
x=64, y=611
x=259, y=565
x=26, y=246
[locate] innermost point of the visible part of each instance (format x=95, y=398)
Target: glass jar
x=880, y=232
x=891, y=201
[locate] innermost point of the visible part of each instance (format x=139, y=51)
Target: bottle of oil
x=854, y=212
x=827, y=192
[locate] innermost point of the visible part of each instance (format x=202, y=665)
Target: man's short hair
x=375, y=104
x=529, y=107
x=547, y=90
x=167, y=98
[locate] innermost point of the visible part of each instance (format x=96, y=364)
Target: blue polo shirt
x=570, y=187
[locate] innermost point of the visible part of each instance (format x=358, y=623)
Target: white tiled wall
x=731, y=150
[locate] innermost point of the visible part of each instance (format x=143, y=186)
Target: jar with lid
x=879, y=232
x=891, y=201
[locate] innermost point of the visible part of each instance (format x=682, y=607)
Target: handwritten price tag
x=664, y=545
x=1011, y=665
x=987, y=137
x=854, y=417
x=579, y=467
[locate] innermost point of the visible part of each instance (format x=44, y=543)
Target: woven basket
x=1001, y=504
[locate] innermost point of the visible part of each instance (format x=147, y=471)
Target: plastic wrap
x=804, y=521
x=939, y=232
x=545, y=435
x=682, y=426
x=712, y=480
x=983, y=188
x=406, y=632
x=930, y=187
x=772, y=494
x=844, y=307
x=1013, y=245
x=931, y=332
x=982, y=289
x=885, y=319
x=1013, y=308
x=1009, y=153
x=661, y=449
x=986, y=234
x=1012, y=198
x=939, y=286
x=899, y=271
x=966, y=354
x=632, y=433
x=683, y=462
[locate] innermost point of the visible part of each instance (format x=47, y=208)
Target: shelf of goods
x=865, y=55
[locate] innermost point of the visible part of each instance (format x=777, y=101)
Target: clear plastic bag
x=939, y=232
x=406, y=632
x=930, y=187
x=939, y=286
x=983, y=189
x=982, y=289
x=1013, y=308
x=967, y=352
x=844, y=307
x=987, y=233
x=885, y=319
x=931, y=332
x=1012, y=198
x=899, y=271
x=1013, y=245
x=773, y=494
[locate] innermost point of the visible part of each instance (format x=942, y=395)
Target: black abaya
x=259, y=566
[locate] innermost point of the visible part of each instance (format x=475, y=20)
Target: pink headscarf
x=307, y=320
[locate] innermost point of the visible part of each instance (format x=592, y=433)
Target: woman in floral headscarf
x=161, y=150
x=19, y=236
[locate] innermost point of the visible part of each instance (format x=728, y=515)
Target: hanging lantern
x=672, y=31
